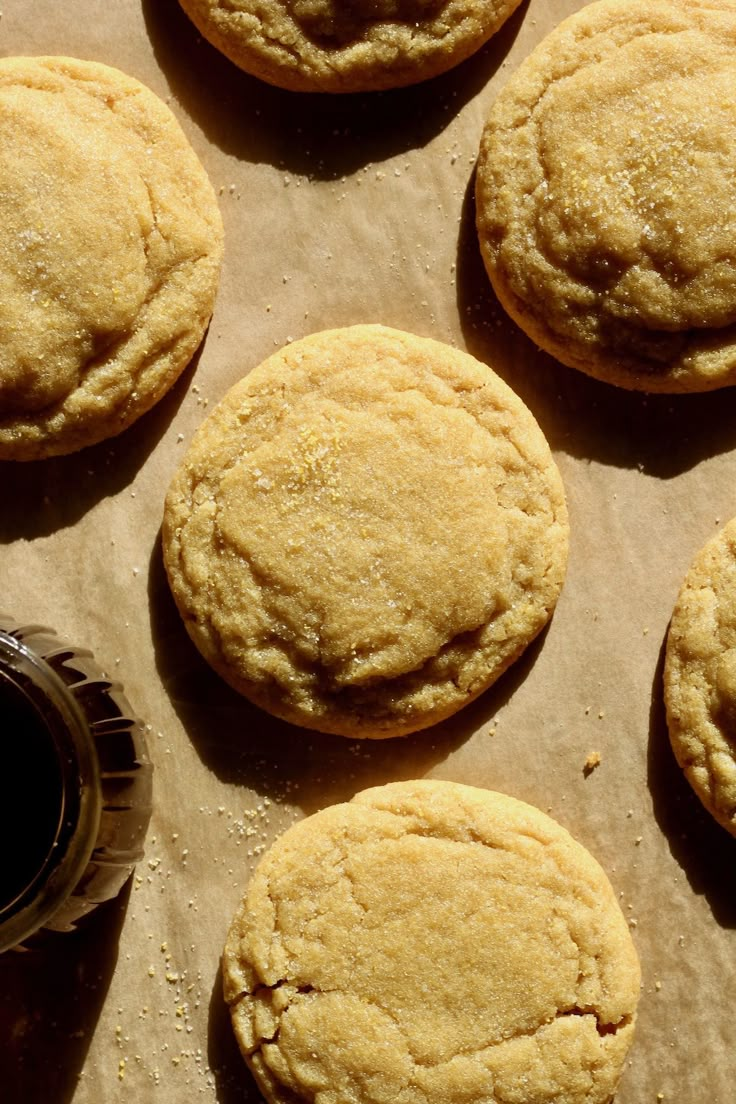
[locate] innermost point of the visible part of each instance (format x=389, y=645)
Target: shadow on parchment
x=702, y=848
x=246, y=746
x=235, y=1084
x=39, y=497
x=661, y=435
x=50, y=1000
x=319, y=135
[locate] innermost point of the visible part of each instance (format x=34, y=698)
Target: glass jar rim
x=76, y=750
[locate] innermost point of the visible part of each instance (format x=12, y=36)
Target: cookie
x=606, y=194
x=366, y=532
x=431, y=943
x=330, y=46
x=110, y=250
x=700, y=676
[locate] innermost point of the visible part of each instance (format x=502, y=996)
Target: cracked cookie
x=331, y=46
x=606, y=195
x=366, y=532
x=700, y=676
x=110, y=250
x=431, y=943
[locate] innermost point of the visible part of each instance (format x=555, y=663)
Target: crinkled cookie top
x=606, y=193
x=700, y=676
x=110, y=247
x=431, y=943
x=366, y=532
x=331, y=46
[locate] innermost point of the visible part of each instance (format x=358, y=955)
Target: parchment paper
x=344, y=210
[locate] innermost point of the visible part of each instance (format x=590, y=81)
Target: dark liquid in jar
x=77, y=796
x=31, y=812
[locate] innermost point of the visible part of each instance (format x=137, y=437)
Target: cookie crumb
x=592, y=761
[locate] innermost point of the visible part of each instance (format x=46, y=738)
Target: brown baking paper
x=343, y=210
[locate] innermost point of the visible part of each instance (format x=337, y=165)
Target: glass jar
x=77, y=794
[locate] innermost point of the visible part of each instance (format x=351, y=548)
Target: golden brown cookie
x=333, y=46
x=110, y=249
x=366, y=532
x=700, y=676
x=606, y=197
x=431, y=943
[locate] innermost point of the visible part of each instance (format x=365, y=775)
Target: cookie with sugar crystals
x=606, y=195
x=700, y=676
x=366, y=532
x=333, y=46
x=110, y=251
x=431, y=943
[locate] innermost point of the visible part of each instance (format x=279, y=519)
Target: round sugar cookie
x=366, y=532
x=110, y=250
x=606, y=194
x=700, y=676
x=332, y=46
x=431, y=943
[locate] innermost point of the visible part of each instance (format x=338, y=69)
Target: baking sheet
x=337, y=211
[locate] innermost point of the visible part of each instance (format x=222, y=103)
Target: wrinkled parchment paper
x=344, y=210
